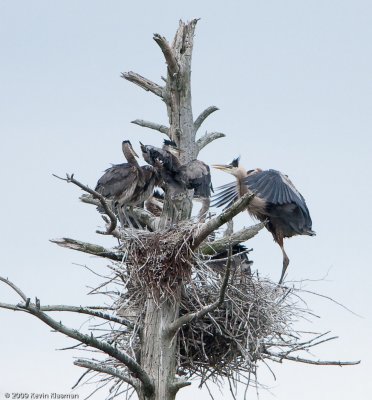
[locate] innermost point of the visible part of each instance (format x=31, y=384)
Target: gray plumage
x=127, y=184
x=276, y=201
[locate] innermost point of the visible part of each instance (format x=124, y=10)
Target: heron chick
x=128, y=184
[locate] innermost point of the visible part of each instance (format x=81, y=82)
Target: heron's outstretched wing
x=227, y=196
x=275, y=188
x=116, y=179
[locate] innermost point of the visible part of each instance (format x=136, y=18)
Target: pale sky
x=293, y=82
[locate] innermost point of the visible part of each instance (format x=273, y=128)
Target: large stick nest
x=256, y=316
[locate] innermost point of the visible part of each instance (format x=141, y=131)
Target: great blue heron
x=128, y=184
x=276, y=201
x=176, y=176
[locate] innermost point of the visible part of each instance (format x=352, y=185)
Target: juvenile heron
x=276, y=201
x=178, y=177
x=127, y=184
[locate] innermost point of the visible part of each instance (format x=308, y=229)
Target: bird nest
x=254, y=322
x=158, y=261
x=229, y=341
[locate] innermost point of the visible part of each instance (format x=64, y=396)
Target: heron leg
x=121, y=214
x=126, y=218
x=134, y=218
x=285, y=261
x=204, y=208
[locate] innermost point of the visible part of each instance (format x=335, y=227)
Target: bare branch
x=14, y=287
x=314, y=362
x=208, y=227
x=170, y=59
x=219, y=245
x=179, y=384
x=113, y=221
x=105, y=370
x=89, y=248
x=144, y=83
x=10, y=307
x=185, y=319
x=89, y=311
x=203, y=116
x=91, y=341
x=143, y=216
x=152, y=125
x=208, y=138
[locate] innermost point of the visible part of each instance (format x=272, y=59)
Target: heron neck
x=241, y=173
x=130, y=157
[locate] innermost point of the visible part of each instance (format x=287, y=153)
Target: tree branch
x=314, y=362
x=89, y=248
x=105, y=370
x=208, y=138
x=14, y=287
x=170, y=59
x=143, y=216
x=185, y=319
x=91, y=341
x=203, y=116
x=208, y=227
x=10, y=307
x=111, y=229
x=89, y=311
x=219, y=245
x=144, y=83
x=178, y=384
x=152, y=125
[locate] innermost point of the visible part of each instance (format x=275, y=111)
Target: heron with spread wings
x=276, y=202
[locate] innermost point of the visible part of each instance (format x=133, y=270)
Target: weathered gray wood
x=212, y=248
x=158, y=350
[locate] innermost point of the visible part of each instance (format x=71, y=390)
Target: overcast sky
x=293, y=82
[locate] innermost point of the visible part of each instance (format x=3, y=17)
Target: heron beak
x=221, y=167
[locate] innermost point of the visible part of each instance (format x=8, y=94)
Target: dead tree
x=173, y=316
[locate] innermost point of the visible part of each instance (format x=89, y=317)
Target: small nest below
x=230, y=340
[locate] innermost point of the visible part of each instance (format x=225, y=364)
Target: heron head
x=127, y=147
x=231, y=168
x=171, y=146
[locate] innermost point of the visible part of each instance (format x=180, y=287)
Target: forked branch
x=89, y=340
x=113, y=221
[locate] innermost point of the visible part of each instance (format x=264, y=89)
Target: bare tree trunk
x=158, y=350
x=158, y=354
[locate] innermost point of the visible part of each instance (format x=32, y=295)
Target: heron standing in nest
x=128, y=184
x=277, y=202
